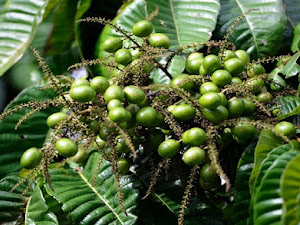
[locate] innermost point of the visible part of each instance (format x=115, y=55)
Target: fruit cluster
x=218, y=95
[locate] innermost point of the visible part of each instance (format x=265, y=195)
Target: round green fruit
x=79, y=82
x=123, y=166
x=184, y=112
x=66, y=147
x=94, y=126
x=99, y=84
x=114, y=103
x=234, y=66
x=159, y=40
x=136, y=53
x=256, y=85
x=208, y=87
x=286, y=128
x=236, y=107
x=114, y=92
x=264, y=97
x=182, y=82
x=210, y=100
x=168, y=148
x=133, y=109
x=112, y=44
x=136, y=66
x=211, y=63
x=243, y=55
x=134, y=94
x=209, y=174
x=193, y=62
x=119, y=115
x=194, y=156
x=146, y=116
x=215, y=115
x=249, y=107
x=123, y=56
x=223, y=99
x=228, y=54
x=55, y=118
x=202, y=71
x=80, y=157
x=236, y=80
x=194, y=137
x=82, y=93
x=255, y=70
x=142, y=28
x=121, y=146
x=31, y=158
x=244, y=132
x=221, y=77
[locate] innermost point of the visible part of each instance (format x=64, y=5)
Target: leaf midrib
x=101, y=198
x=175, y=22
x=250, y=27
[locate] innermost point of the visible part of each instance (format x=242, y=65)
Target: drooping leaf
x=19, y=20
x=267, y=201
x=291, y=68
x=30, y=134
x=37, y=210
x=276, y=79
x=62, y=34
x=12, y=204
x=52, y=4
x=267, y=142
x=296, y=39
x=242, y=197
x=94, y=204
x=260, y=32
x=287, y=106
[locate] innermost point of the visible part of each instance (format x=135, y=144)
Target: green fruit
x=133, y=109
x=286, y=128
x=243, y=55
x=104, y=133
x=82, y=93
x=168, y=148
x=114, y=92
x=221, y=78
x=193, y=62
x=66, y=147
x=182, y=82
x=153, y=139
x=114, y=103
x=142, y=28
x=119, y=115
x=79, y=82
x=209, y=174
x=159, y=40
x=112, y=44
x=236, y=107
x=264, y=97
x=123, y=166
x=55, y=118
x=123, y=56
x=211, y=63
x=31, y=158
x=223, y=99
x=136, y=53
x=171, y=108
x=99, y=84
x=94, y=126
x=194, y=55
x=210, y=100
x=202, y=71
x=234, y=66
x=121, y=146
x=236, y=80
x=244, y=132
x=208, y=87
x=255, y=70
x=256, y=85
x=194, y=137
x=228, y=54
x=134, y=94
x=137, y=64
x=194, y=156
x=249, y=107
x=146, y=116
x=80, y=157
x=184, y=112
x=215, y=115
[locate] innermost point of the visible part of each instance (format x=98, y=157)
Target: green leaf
x=94, y=204
x=19, y=20
x=267, y=142
x=296, y=38
x=12, y=204
x=242, y=196
x=52, y=4
x=276, y=79
x=37, y=210
x=292, y=9
x=185, y=22
x=287, y=105
x=30, y=134
x=260, y=33
x=291, y=68
x=289, y=187
x=62, y=34
x=267, y=201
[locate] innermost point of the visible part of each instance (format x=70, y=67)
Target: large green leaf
x=94, y=204
x=260, y=32
x=288, y=107
x=296, y=39
x=30, y=134
x=292, y=68
x=289, y=186
x=19, y=20
x=267, y=142
x=292, y=10
x=267, y=201
x=37, y=210
x=12, y=204
x=242, y=196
